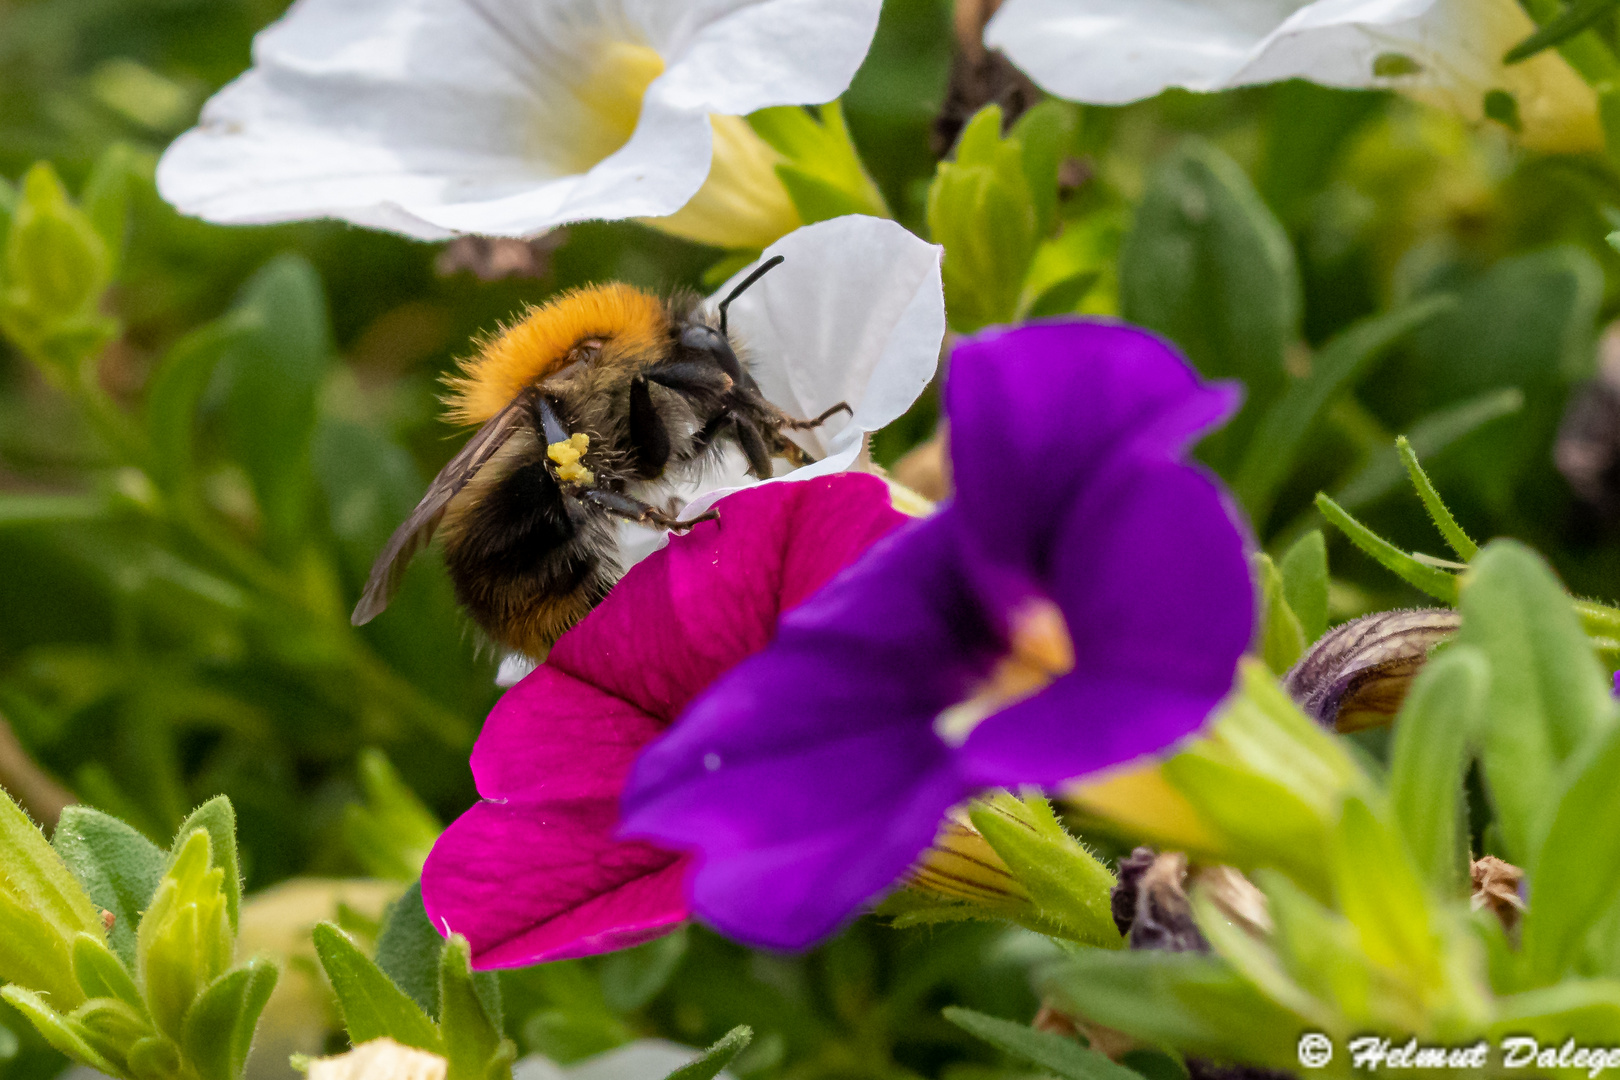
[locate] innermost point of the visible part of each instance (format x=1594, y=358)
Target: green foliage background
x=1365, y=266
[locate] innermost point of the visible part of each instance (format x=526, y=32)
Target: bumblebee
x=594, y=399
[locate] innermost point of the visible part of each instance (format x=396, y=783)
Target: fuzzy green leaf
x=33, y=955
x=103, y=975
x=1282, y=637
x=1439, y=513
x=373, y=1007
x=1432, y=580
x=1069, y=886
x=408, y=950
x=218, y=818
x=118, y=867
x=1548, y=695
x=1430, y=758
x=33, y=879
x=219, y=1029
x=716, y=1057
x=633, y=977
x=64, y=1035
x=473, y=1044
x=393, y=832
x=1060, y=1056
x=1378, y=890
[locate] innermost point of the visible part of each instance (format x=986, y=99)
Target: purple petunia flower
x=1082, y=600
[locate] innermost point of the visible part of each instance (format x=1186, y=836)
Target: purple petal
x=1152, y=578
x=687, y=614
x=810, y=777
x=1036, y=411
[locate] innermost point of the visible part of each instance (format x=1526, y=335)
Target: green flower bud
x=185, y=938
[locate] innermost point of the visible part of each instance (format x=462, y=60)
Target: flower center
x=1041, y=651
x=606, y=95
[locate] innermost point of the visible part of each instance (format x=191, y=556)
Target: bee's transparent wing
x=416, y=530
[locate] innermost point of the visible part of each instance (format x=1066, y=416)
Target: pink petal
x=534, y=872
x=691, y=612
x=533, y=881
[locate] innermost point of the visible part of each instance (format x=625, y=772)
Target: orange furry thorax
x=620, y=316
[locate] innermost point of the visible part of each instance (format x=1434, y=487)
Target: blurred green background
x=168, y=637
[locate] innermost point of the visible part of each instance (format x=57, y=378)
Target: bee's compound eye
x=706, y=339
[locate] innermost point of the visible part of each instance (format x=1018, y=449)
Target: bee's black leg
x=647, y=432
x=692, y=378
x=634, y=509
x=754, y=448
x=802, y=425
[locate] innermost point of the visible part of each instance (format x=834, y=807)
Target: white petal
x=1122, y=50
x=1113, y=51
x=504, y=117
x=740, y=57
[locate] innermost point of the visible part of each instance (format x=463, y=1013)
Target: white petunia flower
x=855, y=314
x=507, y=117
x=1444, y=52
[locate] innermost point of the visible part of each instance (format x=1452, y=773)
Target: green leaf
x=1304, y=569
x=56, y=266
x=716, y=1057
x=177, y=385
x=372, y=1006
x=1378, y=890
x=1579, y=15
x=1430, y=579
x=1271, y=453
x=1439, y=513
x=393, y=833
x=1070, y=887
x=184, y=941
x=1044, y=132
x=980, y=208
x=408, y=950
x=8, y=1038
x=37, y=880
x=156, y=1058
x=1576, y=872
x=1586, y=1010
x=33, y=955
x=64, y=1035
x=1063, y=296
x=218, y=818
x=473, y=1044
x=1428, y=763
x=274, y=375
x=28, y=508
x=1548, y=695
x=1282, y=638
x=823, y=173
x=118, y=867
x=1207, y=265
x=1194, y=1003
x=633, y=977
x=1429, y=437
x=105, y=197
x=219, y=1029
x=103, y=975
x=1060, y=1056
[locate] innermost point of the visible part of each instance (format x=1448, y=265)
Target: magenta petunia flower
x=534, y=872
x=1082, y=600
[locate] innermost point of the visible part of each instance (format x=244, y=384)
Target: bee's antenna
x=766, y=267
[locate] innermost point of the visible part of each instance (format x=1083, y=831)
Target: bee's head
x=584, y=324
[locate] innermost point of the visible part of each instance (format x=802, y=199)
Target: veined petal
x=1153, y=582
x=735, y=57
x=1444, y=52
x=1037, y=411
x=784, y=809
x=494, y=116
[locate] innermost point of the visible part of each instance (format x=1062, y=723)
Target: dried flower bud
x=1496, y=886
x=1357, y=675
x=1150, y=903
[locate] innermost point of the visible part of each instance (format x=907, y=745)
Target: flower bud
x=963, y=866
x=185, y=938
x=1356, y=676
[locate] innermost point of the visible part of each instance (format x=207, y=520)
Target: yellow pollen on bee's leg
x=566, y=455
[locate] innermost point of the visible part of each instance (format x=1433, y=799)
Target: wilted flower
x=1444, y=52
x=535, y=871
x=435, y=117
x=1081, y=601
x=1357, y=675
